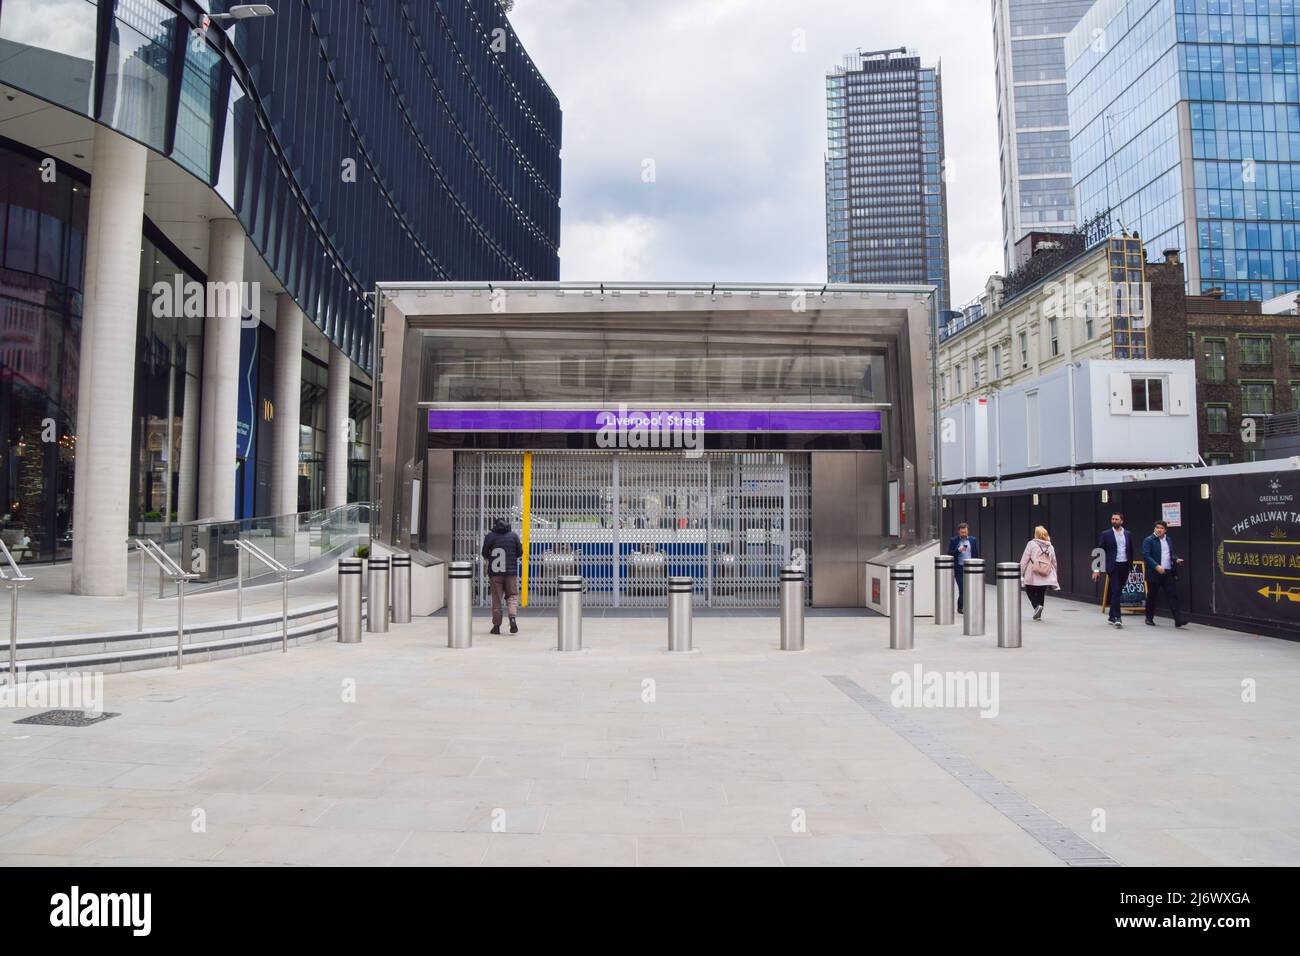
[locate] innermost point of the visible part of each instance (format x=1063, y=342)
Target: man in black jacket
x=502, y=551
x=1162, y=567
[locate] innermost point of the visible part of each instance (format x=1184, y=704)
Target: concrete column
x=337, y=445
x=105, y=383
x=288, y=398
x=188, y=474
x=217, y=442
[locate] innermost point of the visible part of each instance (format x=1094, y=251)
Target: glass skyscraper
x=1185, y=120
x=886, y=204
x=1033, y=119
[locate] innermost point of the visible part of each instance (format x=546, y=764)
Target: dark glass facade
x=357, y=142
x=886, y=203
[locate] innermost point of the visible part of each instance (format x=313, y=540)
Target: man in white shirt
x=1162, y=566
x=1117, y=545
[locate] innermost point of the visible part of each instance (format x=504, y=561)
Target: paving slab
x=1129, y=747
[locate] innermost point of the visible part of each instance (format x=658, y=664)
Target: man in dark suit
x=961, y=547
x=1162, y=569
x=1117, y=543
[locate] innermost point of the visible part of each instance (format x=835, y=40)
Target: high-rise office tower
x=886, y=204
x=1185, y=121
x=1033, y=122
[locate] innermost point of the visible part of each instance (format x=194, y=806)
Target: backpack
x=1042, y=562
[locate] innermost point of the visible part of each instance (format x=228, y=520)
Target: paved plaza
x=1107, y=747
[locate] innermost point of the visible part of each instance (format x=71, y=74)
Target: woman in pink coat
x=1038, y=570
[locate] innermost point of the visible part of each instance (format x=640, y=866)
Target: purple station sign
x=583, y=420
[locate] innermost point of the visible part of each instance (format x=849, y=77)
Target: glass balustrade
x=206, y=548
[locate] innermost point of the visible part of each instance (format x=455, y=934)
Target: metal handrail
x=160, y=557
x=167, y=567
x=280, y=568
x=13, y=578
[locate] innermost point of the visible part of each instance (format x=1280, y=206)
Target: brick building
x=1059, y=308
x=1247, y=363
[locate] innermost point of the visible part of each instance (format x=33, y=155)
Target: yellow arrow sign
x=1277, y=594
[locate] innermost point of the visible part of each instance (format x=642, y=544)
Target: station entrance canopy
x=616, y=425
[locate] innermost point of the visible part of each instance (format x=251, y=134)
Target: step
x=117, y=660
x=201, y=632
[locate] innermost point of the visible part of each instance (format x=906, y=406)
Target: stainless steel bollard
x=680, y=594
x=902, y=623
x=1008, y=584
x=972, y=621
x=568, y=623
x=349, y=624
x=377, y=595
x=401, y=589
x=944, y=599
x=792, y=593
x=460, y=582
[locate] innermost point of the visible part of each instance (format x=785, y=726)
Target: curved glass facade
x=358, y=142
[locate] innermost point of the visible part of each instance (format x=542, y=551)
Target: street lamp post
x=244, y=11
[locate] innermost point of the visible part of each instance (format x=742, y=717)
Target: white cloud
x=63, y=26
x=611, y=249
x=735, y=119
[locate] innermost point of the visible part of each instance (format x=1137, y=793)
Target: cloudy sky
x=732, y=112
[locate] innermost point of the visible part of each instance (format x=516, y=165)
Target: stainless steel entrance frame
x=896, y=320
x=627, y=521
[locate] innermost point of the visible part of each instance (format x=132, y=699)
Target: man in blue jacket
x=1162, y=569
x=1117, y=543
x=962, y=547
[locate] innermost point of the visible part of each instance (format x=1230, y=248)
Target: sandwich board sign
x=1133, y=597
